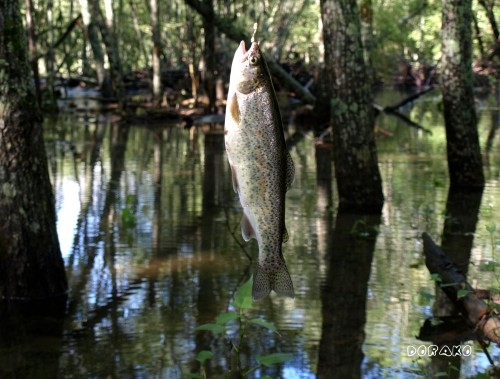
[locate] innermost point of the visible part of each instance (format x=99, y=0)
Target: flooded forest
x=130, y=249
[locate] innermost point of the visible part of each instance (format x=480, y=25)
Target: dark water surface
x=149, y=229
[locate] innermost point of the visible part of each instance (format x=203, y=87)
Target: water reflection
x=149, y=225
x=344, y=295
x=462, y=210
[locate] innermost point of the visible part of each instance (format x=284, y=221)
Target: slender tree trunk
x=110, y=41
x=31, y=266
x=366, y=13
x=30, y=25
x=355, y=155
x=209, y=56
x=464, y=155
x=155, y=26
x=92, y=36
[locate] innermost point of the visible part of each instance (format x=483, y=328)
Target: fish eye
x=253, y=59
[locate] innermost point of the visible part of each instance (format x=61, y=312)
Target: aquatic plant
x=239, y=319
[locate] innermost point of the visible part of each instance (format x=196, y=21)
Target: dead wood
x=478, y=315
x=394, y=110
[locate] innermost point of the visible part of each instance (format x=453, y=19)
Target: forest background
x=169, y=48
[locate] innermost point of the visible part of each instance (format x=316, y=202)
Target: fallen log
x=478, y=315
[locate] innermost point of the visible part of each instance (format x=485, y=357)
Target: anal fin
x=247, y=229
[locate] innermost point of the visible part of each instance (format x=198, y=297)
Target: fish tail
x=279, y=281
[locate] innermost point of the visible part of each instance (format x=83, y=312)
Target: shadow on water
x=31, y=338
x=344, y=294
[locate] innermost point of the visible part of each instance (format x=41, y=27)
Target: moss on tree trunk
x=464, y=155
x=355, y=155
x=31, y=266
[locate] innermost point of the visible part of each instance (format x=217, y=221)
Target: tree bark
x=355, y=155
x=464, y=155
x=31, y=266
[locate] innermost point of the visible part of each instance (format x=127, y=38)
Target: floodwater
x=149, y=229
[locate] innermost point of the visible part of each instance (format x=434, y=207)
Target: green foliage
x=128, y=215
x=234, y=321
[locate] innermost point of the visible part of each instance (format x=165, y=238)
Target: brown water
x=149, y=229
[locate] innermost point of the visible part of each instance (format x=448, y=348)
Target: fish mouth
x=244, y=52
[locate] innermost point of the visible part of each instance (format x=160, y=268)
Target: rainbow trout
x=262, y=169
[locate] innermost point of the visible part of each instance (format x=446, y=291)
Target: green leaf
x=491, y=228
x=128, y=218
x=204, y=355
x=224, y=318
x=214, y=328
x=192, y=375
x=271, y=359
x=462, y=293
x=265, y=324
x=488, y=266
x=436, y=278
x=243, y=296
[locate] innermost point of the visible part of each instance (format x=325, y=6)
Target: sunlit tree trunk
x=155, y=26
x=31, y=266
x=355, y=156
x=92, y=36
x=464, y=155
x=110, y=40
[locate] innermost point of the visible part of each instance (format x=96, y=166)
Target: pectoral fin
x=234, y=109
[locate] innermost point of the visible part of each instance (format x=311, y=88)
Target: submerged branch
x=393, y=110
x=477, y=314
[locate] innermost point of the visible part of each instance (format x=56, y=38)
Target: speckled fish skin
x=262, y=169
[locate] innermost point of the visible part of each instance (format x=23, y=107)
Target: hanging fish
x=261, y=166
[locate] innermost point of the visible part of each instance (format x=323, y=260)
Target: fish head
x=248, y=71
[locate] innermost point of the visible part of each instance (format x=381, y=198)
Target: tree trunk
x=356, y=164
x=92, y=36
x=209, y=56
x=155, y=25
x=30, y=26
x=31, y=266
x=110, y=40
x=464, y=155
